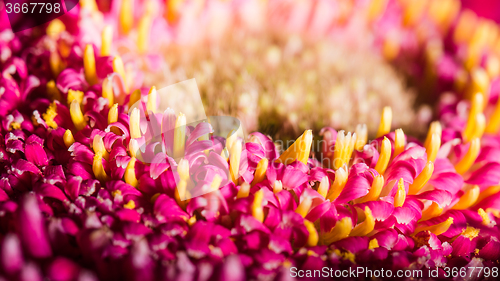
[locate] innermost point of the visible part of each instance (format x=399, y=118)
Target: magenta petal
x=487, y=175
x=353, y=244
x=491, y=251
x=49, y=190
x=449, y=181
x=62, y=269
x=356, y=187
x=11, y=254
x=442, y=197
x=31, y=227
x=267, y=144
x=34, y=151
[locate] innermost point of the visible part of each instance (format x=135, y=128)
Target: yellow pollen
x=126, y=16
x=432, y=211
x=312, y=239
x=15, y=126
x=437, y=229
x=106, y=40
x=77, y=115
x=191, y=220
x=98, y=169
x=129, y=175
x=373, y=244
x=151, y=104
x=324, y=186
x=400, y=197
x=144, y=29
x=470, y=232
x=119, y=68
x=384, y=157
x=180, y=136
x=361, y=136
x=468, y=199
x=50, y=114
x=75, y=95
x=304, y=207
x=98, y=146
x=341, y=230
x=55, y=27
x=299, y=150
x=257, y=210
x=476, y=108
x=342, y=152
x=488, y=192
x=421, y=179
x=484, y=216
x=399, y=142
x=385, y=122
x=89, y=65
x=134, y=97
x=366, y=226
x=244, y=190
x=68, y=138
x=52, y=91
x=130, y=205
x=434, y=128
x=277, y=186
x=107, y=90
x=470, y=157
x=134, y=124
x=375, y=190
x=260, y=171
x=338, y=184
x=116, y=193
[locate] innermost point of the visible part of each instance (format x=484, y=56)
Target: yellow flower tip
x=374, y=192
x=119, y=68
x=373, y=244
x=390, y=48
x=470, y=232
x=257, y=208
x=338, y=184
x=98, y=146
x=52, y=91
x=492, y=190
x=89, y=67
x=191, y=221
x=129, y=175
x=299, y=150
x=375, y=9
x=134, y=149
x=172, y=10
x=68, y=138
x=385, y=122
x=494, y=123
x=313, y=238
x=470, y=157
x=126, y=17
x=90, y=5
x=366, y=226
x=477, y=105
x=400, y=197
x=134, y=97
x=399, y=142
x=467, y=199
x=305, y=147
x=465, y=26
x=244, y=190
x=324, y=186
x=480, y=126
x=98, y=168
x=260, y=171
x=116, y=193
x=183, y=169
x=433, y=148
x=180, y=136
x=434, y=128
x=437, y=229
x=77, y=115
x=151, y=104
x=107, y=90
x=55, y=27
x=216, y=181
x=480, y=83
x=50, y=114
x=277, y=186
x=484, y=216
x=106, y=40
x=341, y=230
x=113, y=114
x=384, y=157
x=130, y=205
x=344, y=146
x=361, y=136
x=75, y=95
x=144, y=29
x=134, y=124
x=432, y=211
x=304, y=206
x=421, y=179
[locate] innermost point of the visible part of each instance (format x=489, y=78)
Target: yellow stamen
x=465, y=26
x=385, y=122
x=437, y=229
x=433, y=148
x=384, y=157
x=476, y=108
x=373, y=244
x=361, y=136
x=119, y=68
x=50, y=114
x=172, y=10
x=494, y=123
x=479, y=126
x=191, y=220
x=400, y=197
x=130, y=205
x=143, y=33
x=432, y=211
x=366, y=226
x=470, y=232
x=55, y=27
x=299, y=150
x=342, y=152
x=107, y=90
x=134, y=124
x=484, y=216
x=413, y=11
x=52, y=91
x=98, y=146
x=492, y=190
x=113, y=114
x=126, y=16
x=230, y=139
x=75, y=95
x=444, y=12
x=399, y=142
x=277, y=186
x=106, y=40
x=183, y=170
x=390, y=48
x=77, y=115
x=324, y=186
x=434, y=128
x=338, y=184
x=375, y=190
x=244, y=190
x=466, y=162
x=304, y=207
x=468, y=199
x=312, y=239
x=257, y=209
x=180, y=136
x=260, y=171
x=134, y=97
x=56, y=64
x=134, y=150
x=129, y=175
x=235, y=156
x=98, y=168
x=421, y=179
x=480, y=83
x=68, y=138
x=341, y=230
x=151, y=104
x=89, y=65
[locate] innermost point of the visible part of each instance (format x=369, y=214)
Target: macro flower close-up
x=249, y=140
